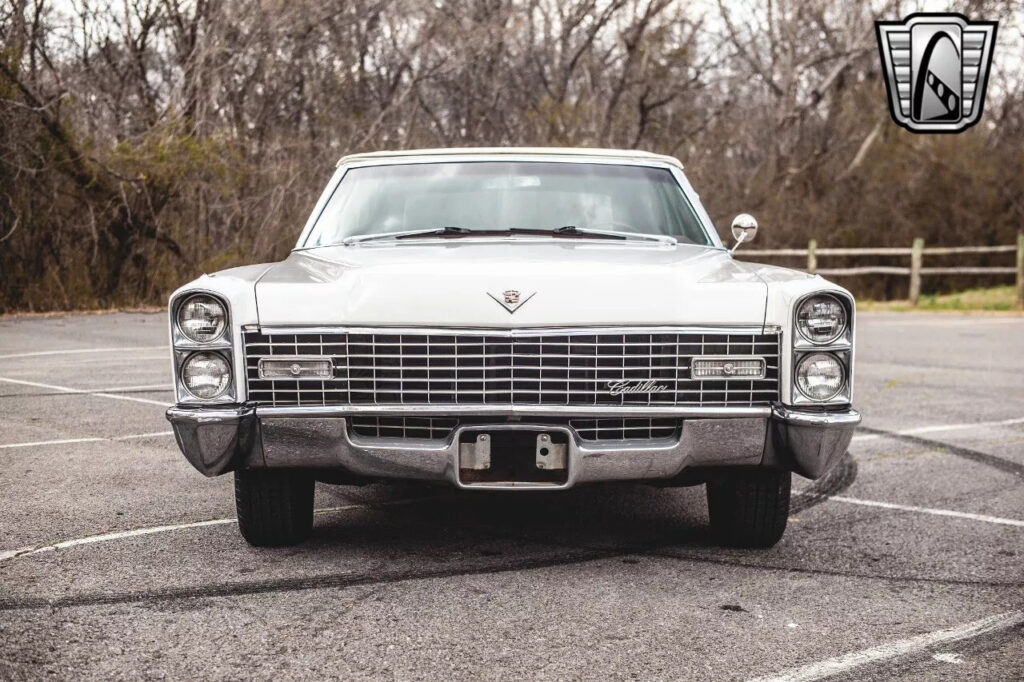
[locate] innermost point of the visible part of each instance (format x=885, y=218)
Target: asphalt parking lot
x=118, y=560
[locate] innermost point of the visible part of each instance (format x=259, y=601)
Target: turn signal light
x=296, y=368
x=727, y=368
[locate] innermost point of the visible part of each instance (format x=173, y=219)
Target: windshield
x=498, y=196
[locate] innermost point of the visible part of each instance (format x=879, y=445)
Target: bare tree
x=142, y=141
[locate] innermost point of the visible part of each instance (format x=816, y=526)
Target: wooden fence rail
x=916, y=270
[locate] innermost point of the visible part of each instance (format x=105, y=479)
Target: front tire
x=749, y=507
x=275, y=506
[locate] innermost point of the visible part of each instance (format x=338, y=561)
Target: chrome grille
x=523, y=368
x=440, y=428
x=433, y=428
x=624, y=429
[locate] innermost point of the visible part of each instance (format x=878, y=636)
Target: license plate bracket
x=513, y=457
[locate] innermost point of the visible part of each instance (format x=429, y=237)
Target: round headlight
x=820, y=376
x=206, y=375
x=821, y=319
x=202, y=318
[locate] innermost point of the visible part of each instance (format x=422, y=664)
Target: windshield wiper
x=457, y=231
x=447, y=230
x=572, y=230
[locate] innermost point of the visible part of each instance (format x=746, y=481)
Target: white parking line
x=107, y=537
x=921, y=510
x=8, y=554
x=64, y=441
x=903, y=647
x=882, y=319
x=78, y=391
x=124, y=389
x=151, y=434
x=90, y=439
x=139, y=387
x=77, y=351
x=937, y=428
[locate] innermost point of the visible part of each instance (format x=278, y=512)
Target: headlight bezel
x=189, y=357
x=807, y=357
x=183, y=347
x=843, y=337
x=184, y=301
x=183, y=396
x=842, y=347
x=178, y=338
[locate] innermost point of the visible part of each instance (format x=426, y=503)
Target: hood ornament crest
x=511, y=299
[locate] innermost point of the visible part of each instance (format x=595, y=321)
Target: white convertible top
x=626, y=154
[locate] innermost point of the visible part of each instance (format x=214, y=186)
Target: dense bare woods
x=144, y=141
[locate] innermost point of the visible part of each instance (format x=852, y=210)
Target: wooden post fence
x=1020, y=270
x=917, y=251
x=916, y=258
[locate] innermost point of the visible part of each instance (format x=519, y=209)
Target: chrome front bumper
x=218, y=440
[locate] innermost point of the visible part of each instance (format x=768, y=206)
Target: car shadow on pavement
x=599, y=517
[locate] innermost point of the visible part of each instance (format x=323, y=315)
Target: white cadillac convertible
x=514, y=320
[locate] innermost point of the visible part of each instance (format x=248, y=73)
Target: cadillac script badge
x=625, y=387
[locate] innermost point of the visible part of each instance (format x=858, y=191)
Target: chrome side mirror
x=744, y=227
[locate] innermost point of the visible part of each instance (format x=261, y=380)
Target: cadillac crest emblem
x=511, y=299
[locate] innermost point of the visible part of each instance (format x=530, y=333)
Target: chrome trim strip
x=832, y=348
x=844, y=419
x=525, y=331
x=557, y=154
x=513, y=410
x=207, y=413
x=219, y=344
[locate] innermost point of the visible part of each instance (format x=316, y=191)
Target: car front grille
x=440, y=428
x=577, y=368
x=430, y=428
x=624, y=429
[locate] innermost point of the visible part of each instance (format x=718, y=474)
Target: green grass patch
x=993, y=299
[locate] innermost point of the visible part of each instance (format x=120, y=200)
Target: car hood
x=454, y=283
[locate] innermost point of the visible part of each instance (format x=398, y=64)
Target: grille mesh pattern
x=578, y=369
x=439, y=428
x=624, y=429
x=403, y=427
